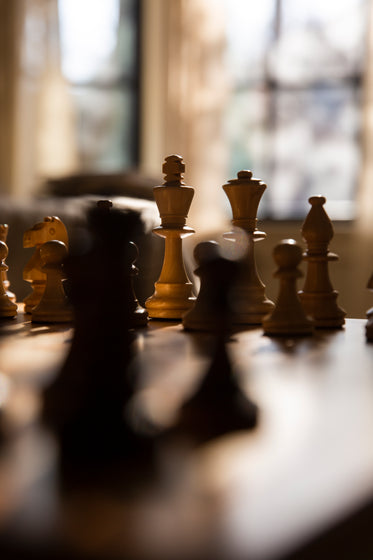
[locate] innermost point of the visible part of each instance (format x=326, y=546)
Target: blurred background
x=98, y=88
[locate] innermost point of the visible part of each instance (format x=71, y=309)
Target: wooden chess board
x=300, y=485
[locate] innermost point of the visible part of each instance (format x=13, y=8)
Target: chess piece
x=54, y=306
x=173, y=294
x=217, y=275
x=369, y=323
x=49, y=229
x=7, y=307
x=6, y=283
x=138, y=315
x=85, y=404
x=318, y=297
x=288, y=316
x=219, y=406
x=250, y=301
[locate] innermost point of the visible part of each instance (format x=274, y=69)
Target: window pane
x=98, y=39
x=247, y=131
x=319, y=40
x=250, y=28
x=314, y=150
x=104, y=128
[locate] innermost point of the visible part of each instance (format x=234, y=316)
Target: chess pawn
x=49, y=229
x=6, y=283
x=249, y=300
x=7, y=307
x=54, y=306
x=288, y=316
x=173, y=294
x=219, y=405
x=138, y=316
x=318, y=297
x=211, y=311
x=369, y=323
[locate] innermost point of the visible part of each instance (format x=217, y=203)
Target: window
x=294, y=115
x=99, y=53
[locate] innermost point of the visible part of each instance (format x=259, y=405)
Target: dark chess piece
x=85, y=404
x=7, y=307
x=318, y=297
x=138, y=315
x=288, y=317
x=209, y=312
x=219, y=405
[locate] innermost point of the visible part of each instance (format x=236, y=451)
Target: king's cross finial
x=173, y=168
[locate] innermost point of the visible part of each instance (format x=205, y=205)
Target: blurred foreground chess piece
x=85, y=404
x=50, y=229
x=250, y=301
x=54, y=306
x=288, y=316
x=3, y=237
x=7, y=307
x=219, y=405
x=369, y=324
x=217, y=275
x=173, y=294
x=318, y=297
x=138, y=315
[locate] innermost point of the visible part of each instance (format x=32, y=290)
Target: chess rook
x=249, y=300
x=318, y=297
x=173, y=294
x=7, y=307
x=54, y=306
x=51, y=228
x=288, y=316
x=3, y=237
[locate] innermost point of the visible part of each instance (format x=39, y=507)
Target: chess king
x=173, y=295
x=51, y=228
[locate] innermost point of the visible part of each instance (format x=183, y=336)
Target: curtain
x=186, y=89
x=37, y=137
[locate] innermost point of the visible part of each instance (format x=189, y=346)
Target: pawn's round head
x=53, y=252
x=287, y=254
x=317, y=200
x=206, y=251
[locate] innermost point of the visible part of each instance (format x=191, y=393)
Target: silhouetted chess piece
x=54, y=306
x=250, y=302
x=318, y=297
x=85, y=406
x=3, y=237
x=138, y=315
x=369, y=323
x=51, y=228
x=288, y=316
x=219, y=405
x=173, y=294
x=7, y=307
x=217, y=276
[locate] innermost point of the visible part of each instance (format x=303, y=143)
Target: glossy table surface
x=259, y=494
